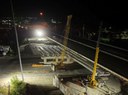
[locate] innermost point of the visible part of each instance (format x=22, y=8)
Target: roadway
x=114, y=58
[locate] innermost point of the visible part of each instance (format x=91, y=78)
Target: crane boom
x=93, y=81
x=65, y=41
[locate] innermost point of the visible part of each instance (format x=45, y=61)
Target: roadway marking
x=111, y=46
x=95, y=48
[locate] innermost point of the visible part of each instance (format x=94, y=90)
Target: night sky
x=85, y=11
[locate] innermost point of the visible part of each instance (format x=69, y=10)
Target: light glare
x=39, y=32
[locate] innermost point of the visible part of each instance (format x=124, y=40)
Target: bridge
x=49, y=50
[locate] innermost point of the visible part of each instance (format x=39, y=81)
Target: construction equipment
x=67, y=30
x=58, y=62
x=93, y=81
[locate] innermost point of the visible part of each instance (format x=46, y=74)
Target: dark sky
x=113, y=12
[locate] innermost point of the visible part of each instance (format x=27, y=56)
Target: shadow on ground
x=42, y=90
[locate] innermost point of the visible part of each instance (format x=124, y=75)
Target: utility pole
x=93, y=81
x=18, y=48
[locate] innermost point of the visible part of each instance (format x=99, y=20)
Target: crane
x=93, y=81
x=65, y=41
x=63, y=52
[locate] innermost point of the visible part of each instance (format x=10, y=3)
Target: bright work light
x=39, y=32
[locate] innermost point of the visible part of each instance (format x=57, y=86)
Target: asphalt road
x=87, y=49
